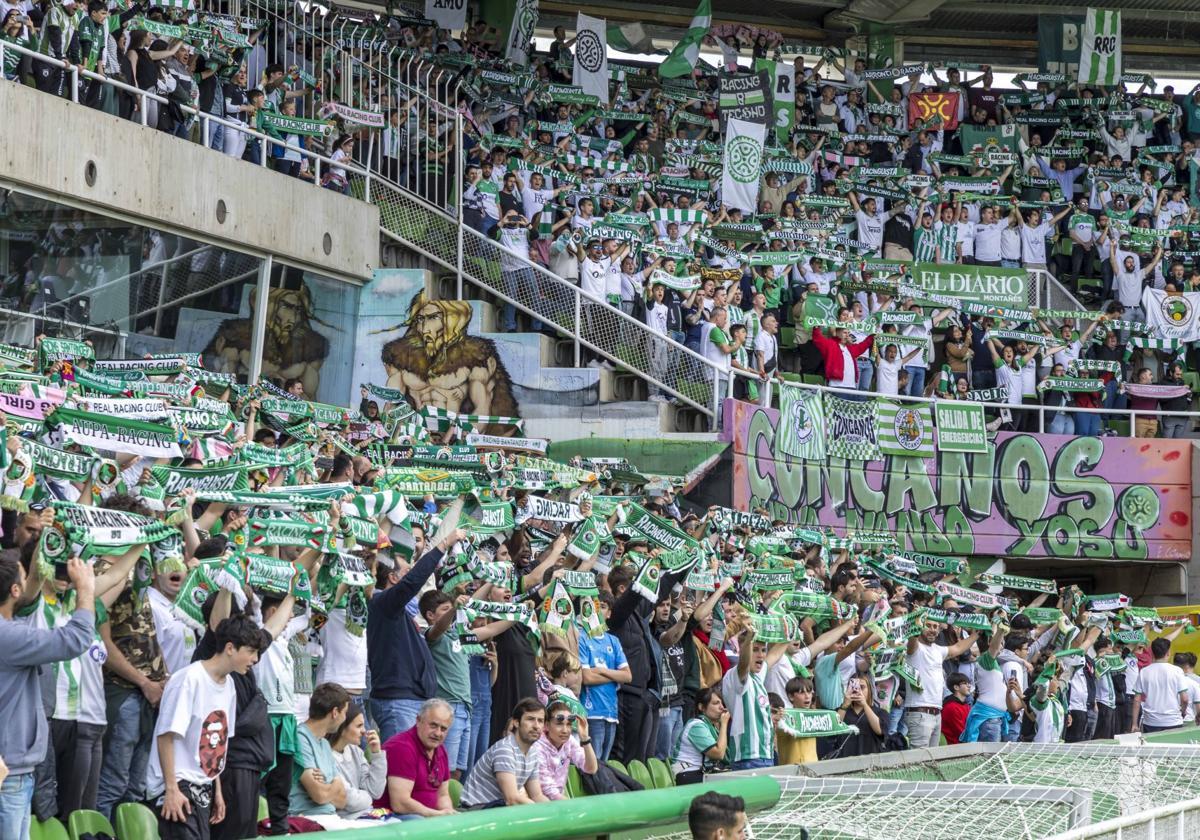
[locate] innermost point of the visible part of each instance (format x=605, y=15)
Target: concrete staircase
x=552, y=391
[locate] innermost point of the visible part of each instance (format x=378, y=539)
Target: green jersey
x=751, y=733
x=1083, y=226
x=946, y=235
x=696, y=738
x=773, y=291
x=924, y=245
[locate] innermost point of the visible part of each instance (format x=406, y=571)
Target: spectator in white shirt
x=1161, y=692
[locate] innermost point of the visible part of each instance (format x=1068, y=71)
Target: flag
x=630, y=38
x=1172, y=315
x=447, y=14
x=1100, y=48
x=853, y=429
x=801, y=431
x=1000, y=138
x=741, y=164
x=520, y=34
x=934, y=106
x=783, y=96
x=905, y=431
x=683, y=58
x=590, y=72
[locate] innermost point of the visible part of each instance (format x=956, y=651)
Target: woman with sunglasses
x=559, y=748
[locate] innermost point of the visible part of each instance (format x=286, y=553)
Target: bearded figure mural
x=436, y=363
x=292, y=349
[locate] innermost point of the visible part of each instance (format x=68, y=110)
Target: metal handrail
x=1129, y=413
x=205, y=119
x=578, y=297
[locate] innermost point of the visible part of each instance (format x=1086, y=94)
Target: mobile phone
x=60, y=572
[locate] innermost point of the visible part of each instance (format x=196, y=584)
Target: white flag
x=1174, y=316
x=520, y=34
x=448, y=14
x=742, y=164
x=591, y=57
x=1100, y=48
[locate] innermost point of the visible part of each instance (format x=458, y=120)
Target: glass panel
x=77, y=274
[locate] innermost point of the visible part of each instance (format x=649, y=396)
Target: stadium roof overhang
x=1158, y=33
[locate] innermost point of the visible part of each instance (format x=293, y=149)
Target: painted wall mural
x=1028, y=496
x=435, y=362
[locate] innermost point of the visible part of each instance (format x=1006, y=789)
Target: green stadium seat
x=51, y=829
x=616, y=765
x=455, y=791
x=574, y=783
x=813, y=379
x=641, y=774
x=660, y=773
x=787, y=337
x=136, y=822
x=89, y=822
x=1192, y=379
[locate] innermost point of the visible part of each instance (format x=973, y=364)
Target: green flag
x=801, y=431
x=683, y=58
x=1100, y=48
x=905, y=430
x=630, y=38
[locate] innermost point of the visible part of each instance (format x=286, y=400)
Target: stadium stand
x=231, y=607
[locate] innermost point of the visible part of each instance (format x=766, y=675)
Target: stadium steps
x=427, y=226
x=537, y=361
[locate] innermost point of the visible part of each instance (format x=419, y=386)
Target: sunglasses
x=562, y=719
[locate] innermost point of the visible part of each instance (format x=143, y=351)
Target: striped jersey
x=946, y=236
x=924, y=245
x=697, y=737
x=78, y=682
x=751, y=734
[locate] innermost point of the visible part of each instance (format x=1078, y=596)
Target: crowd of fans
x=212, y=592
x=623, y=197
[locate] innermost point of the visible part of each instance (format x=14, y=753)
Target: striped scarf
x=1173, y=346
x=440, y=419
x=1094, y=365
x=665, y=214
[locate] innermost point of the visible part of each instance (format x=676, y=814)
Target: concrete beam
x=85, y=156
x=1023, y=10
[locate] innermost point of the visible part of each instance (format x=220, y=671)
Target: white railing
x=313, y=159
x=1177, y=821
x=1042, y=410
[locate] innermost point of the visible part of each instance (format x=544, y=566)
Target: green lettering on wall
x=908, y=477
x=966, y=480
x=864, y=495
x=1071, y=467
x=1023, y=479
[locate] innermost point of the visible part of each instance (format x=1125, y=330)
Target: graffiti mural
x=309, y=335
x=437, y=363
x=1028, y=496
x=292, y=348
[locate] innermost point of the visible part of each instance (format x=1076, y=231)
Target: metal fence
x=312, y=163
x=1178, y=821
x=595, y=327
x=1044, y=413
x=362, y=68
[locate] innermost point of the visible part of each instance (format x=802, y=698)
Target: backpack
x=608, y=780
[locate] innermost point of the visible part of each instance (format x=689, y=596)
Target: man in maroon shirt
x=418, y=770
